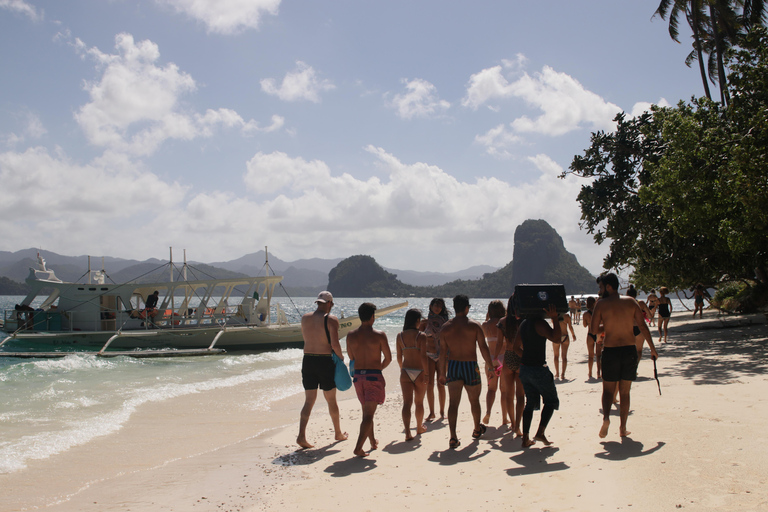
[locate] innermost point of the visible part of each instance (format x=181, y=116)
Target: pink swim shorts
x=369, y=385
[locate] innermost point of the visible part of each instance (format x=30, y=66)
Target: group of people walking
x=440, y=351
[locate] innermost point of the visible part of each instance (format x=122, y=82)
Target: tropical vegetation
x=681, y=192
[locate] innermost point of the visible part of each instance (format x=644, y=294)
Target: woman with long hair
x=665, y=312
x=438, y=315
x=412, y=358
x=494, y=337
x=512, y=387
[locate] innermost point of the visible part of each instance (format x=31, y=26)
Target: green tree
x=717, y=25
x=682, y=193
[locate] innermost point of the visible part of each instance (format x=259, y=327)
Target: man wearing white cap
x=320, y=331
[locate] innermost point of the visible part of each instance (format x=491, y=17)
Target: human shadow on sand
x=464, y=453
x=716, y=356
x=400, y=447
x=354, y=465
x=306, y=456
x=533, y=460
x=627, y=448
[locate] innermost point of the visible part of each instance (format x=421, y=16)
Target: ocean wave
x=15, y=455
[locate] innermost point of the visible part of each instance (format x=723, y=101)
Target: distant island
x=539, y=257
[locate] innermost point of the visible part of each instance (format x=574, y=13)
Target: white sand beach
x=699, y=445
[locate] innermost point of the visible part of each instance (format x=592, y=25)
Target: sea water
x=48, y=406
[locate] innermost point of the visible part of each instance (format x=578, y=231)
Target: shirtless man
x=366, y=346
x=317, y=368
x=460, y=337
x=618, y=315
x=575, y=308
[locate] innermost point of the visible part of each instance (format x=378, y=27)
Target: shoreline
x=697, y=446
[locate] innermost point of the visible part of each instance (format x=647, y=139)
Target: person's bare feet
x=518, y=433
x=527, y=442
x=486, y=419
x=374, y=444
x=543, y=439
x=604, y=428
x=303, y=443
x=408, y=436
x=342, y=437
x=421, y=429
x=361, y=453
x=430, y=417
x=623, y=432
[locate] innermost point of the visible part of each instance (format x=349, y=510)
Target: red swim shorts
x=369, y=385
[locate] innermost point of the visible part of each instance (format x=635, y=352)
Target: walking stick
x=656, y=375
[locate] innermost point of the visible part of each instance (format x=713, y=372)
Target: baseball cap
x=324, y=297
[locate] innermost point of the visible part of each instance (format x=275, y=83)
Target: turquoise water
x=49, y=406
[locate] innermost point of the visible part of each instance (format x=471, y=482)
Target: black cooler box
x=533, y=299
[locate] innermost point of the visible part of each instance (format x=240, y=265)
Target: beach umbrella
x=656, y=375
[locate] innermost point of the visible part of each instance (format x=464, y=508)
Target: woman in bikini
x=494, y=338
x=698, y=300
x=665, y=312
x=412, y=357
x=510, y=373
x=653, y=303
x=561, y=349
x=591, y=344
x=438, y=315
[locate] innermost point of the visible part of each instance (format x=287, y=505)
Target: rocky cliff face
x=540, y=257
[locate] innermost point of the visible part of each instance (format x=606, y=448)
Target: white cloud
x=565, y=104
x=410, y=213
x=419, y=100
x=226, y=16
x=643, y=106
x=497, y=140
x=22, y=7
x=47, y=197
x=413, y=212
x=301, y=84
x=135, y=104
x=32, y=128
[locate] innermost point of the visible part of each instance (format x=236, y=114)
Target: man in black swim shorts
x=618, y=315
x=317, y=368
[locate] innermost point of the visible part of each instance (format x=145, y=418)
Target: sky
x=419, y=132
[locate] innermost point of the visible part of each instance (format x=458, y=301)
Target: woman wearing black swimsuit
x=665, y=312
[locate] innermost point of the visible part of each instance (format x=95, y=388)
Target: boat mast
x=89, y=270
x=173, y=309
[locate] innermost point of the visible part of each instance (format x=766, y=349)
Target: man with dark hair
x=320, y=331
x=618, y=315
x=366, y=346
x=461, y=337
x=538, y=381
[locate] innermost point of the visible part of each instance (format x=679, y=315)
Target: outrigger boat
x=191, y=317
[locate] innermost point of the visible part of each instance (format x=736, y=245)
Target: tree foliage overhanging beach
x=681, y=193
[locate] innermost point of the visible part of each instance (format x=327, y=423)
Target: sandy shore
x=698, y=446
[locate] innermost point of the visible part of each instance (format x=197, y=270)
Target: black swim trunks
x=318, y=370
x=619, y=363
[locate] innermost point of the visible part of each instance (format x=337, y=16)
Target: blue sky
x=421, y=133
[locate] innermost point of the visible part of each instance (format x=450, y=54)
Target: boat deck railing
x=52, y=320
